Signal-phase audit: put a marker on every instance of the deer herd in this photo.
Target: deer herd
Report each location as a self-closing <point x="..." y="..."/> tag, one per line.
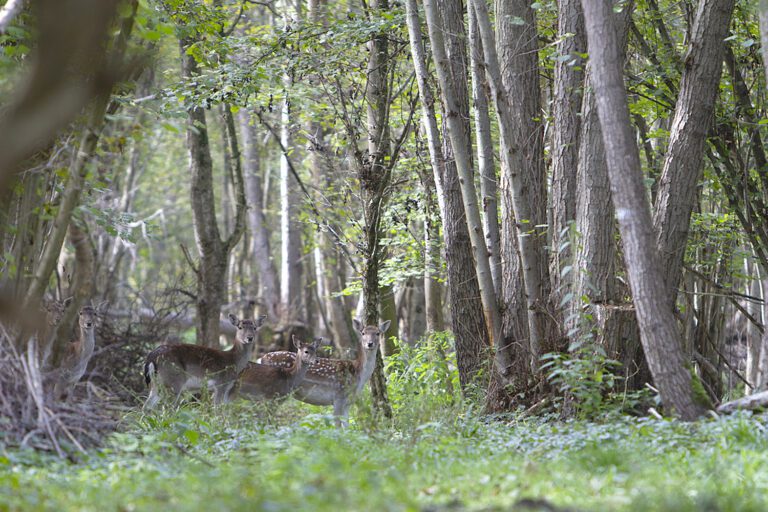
<point x="228" y="374"/>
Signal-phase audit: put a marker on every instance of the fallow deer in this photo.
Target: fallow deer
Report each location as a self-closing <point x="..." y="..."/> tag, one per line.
<point x="181" y="367"/>
<point x="264" y="381"/>
<point x="77" y="354"/>
<point x="336" y="381"/>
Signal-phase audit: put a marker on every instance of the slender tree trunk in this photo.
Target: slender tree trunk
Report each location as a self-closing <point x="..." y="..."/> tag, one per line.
<point x="485" y="162"/>
<point x="678" y="190"/>
<point x="522" y="168"/>
<point x="375" y="176"/>
<point x="468" y="319"/>
<point x="269" y="285"/>
<point x="763" y="17"/>
<point x="595" y="254"/>
<point x="658" y="331"/>
<point x="448" y="53"/>
<point x="291" y="268"/>
<point x="214" y="252"/>
<point x="431" y="182"/>
<point x="81" y="290"/>
<point x="76" y="180"/>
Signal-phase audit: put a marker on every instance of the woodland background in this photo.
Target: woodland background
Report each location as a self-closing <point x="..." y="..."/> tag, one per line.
<point x="439" y="164"/>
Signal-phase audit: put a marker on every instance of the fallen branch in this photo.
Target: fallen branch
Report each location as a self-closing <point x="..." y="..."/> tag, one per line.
<point x="750" y="402"/>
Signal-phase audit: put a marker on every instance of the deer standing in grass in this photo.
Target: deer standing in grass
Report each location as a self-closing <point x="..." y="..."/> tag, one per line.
<point x="77" y="354"/>
<point x="336" y="381"/>
<point x="185" y="366"/>
<point x="265" y="381"/>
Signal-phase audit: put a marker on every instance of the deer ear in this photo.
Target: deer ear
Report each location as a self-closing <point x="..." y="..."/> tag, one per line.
<point x="68" y="301"/>
<point x="103" y="306"/>
<point x="296" y="342"/>
<point x="260" y="321"/>
<point x="383" y="326"/>
<point x="357" y="324"/>
<point x="233" y="319"/>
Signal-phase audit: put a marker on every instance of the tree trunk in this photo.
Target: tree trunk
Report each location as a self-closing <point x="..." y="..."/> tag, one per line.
<point x="451" y="67"/>
<point x="81" y="290"/>
<point x="214" y="253"/>
<point x="566" y="107"/>
<point x="77" y="171"/>
<point x="431" y="182"/>
<point x="467" y="316"/>
<point x="515" y="95"/>
<point x="269" y="286"/>
<point x="375" y="175"/>
<point x="290" y="229"/>
<point x="678" y="186"/>
<point x="661" y="341"/>
<point x="485" y="161"/>
<point x="594" y="264"/>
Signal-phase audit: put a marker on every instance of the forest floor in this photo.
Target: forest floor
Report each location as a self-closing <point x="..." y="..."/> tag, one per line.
<point x="240" y="457"/>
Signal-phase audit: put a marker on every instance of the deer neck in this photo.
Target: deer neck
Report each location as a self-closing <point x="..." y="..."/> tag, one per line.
<point x="87" y="341"/>
<point x="298" y="369"/>
<point x="241" y="354"/>
<point x="364" y="365"/>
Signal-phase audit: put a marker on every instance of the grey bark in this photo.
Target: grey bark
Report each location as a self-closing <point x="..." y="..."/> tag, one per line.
<point x="213" y="251"/>
<point x="290" y="230"/>
<point x="658" y="331"/>
<point x="76" y="174"/>
<point x="678" y="186"/>
<point x="431" y="182"/>
<point x="515" y="94"/>
<point x="485" y="150"/>
<point x="8" y="12"/>
<point x="566" y="106"/>
<point x="468" y="319"/>
<point x="269" y="285"/>
<point x="455" y="106"/>
<point x="375" y="175"/>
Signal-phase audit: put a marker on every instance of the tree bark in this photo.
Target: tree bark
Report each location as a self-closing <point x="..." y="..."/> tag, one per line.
<point x="432" y="181"/>
<point x="456" y="108"/>
<point x="468" y="319"/>
<point x="658" y="331"/>
<point x="566" y="107"/>
<point x="375" y="175"/>
<point x="81" y="290"/>
<point x="76" y="180"/>
<point x="515" y="95"/>
<point x="485" y="161"/>
<point x="214" y="252"/>
<point x="678" y="186"/>
<point x="269" y="285"/>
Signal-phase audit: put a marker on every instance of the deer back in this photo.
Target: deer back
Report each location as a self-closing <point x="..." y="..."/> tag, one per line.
<point x="200" y="362"/>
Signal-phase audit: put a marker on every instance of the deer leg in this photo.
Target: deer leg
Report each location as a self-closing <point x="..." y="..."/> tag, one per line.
<point x="154" y="396"/>
<point x="222" y="393"/>
<point x="340" y="412"/>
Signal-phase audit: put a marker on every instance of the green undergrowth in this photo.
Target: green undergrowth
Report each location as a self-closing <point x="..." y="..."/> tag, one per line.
<point x="437" y="453"/>
<point x="244" y="457"/>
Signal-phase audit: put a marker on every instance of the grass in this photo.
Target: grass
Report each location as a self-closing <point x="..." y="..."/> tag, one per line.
<point x="241" y="458"/>
<point x="437" y="454"/>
